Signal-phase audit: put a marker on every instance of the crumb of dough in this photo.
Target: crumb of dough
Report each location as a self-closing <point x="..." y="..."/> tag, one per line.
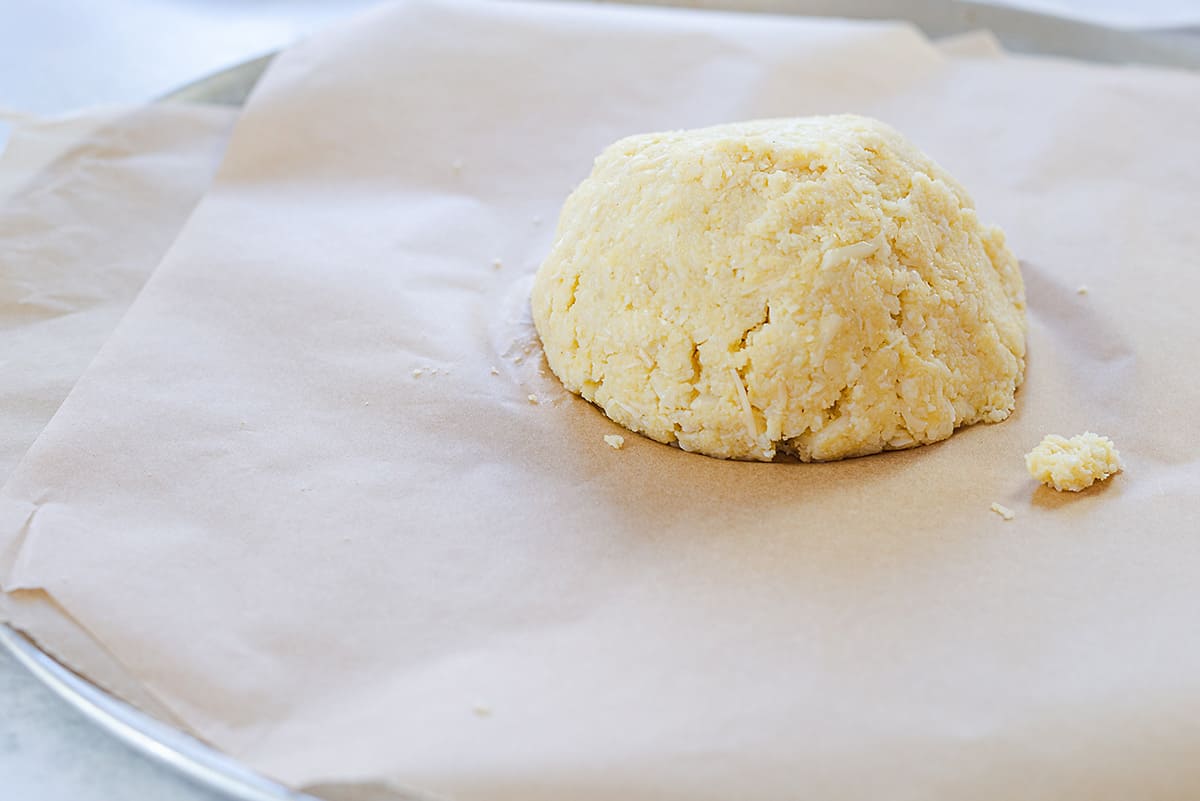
<point x="482" y="710"/>
<point x="532" y="398"/>
<point x="497" y="264"/>
<point x="418" y="372"/>
<point x="1083" y="290"/>
<point x="494" y="371"/>
<point x="614" y="441"/>
<point x="1003" y="511"/>
<point x="813" y="286"/>
<point x="1073" y="464"/>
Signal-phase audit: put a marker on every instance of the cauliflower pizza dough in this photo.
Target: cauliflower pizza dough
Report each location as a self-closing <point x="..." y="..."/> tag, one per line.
<point x="812" y="286"/>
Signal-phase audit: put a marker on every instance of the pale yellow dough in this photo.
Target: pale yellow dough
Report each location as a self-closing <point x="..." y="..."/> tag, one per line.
<point x="815" y="286"/>
<point x="1073" y="464"/>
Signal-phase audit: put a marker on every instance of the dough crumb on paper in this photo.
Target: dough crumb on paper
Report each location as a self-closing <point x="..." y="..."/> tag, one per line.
<point x="532" y="398"/>
<point x="816" y="286"/>
<point x="614" y="441"/>
<point x="482" y="710"/>
<point x="1073" y="464"/>
<point x="1083" y="290"/>
<point x="1003" y="511"/>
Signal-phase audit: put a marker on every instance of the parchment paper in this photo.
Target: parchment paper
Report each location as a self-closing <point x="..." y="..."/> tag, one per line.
<point x="339" y="571"/>
<point x="88" y="205"/>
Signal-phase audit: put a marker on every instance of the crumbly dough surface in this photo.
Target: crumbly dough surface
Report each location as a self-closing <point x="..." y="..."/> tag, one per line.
<point x="1073" y="464"/>
<point x="815" y="286"/>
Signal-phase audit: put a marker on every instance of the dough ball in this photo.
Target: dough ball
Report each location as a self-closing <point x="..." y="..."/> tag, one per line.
<point x="814" y="286"/>
<point x="1073" y="464"/>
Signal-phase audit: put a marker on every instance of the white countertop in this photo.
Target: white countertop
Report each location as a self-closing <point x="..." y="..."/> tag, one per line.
<point x="61" y="55"/>
<point x="49" y="752"/>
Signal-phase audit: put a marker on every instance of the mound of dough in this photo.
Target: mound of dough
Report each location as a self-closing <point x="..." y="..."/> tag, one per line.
<point x="815" y="286"/>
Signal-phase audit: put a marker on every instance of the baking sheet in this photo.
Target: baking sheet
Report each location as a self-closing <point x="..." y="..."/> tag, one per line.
<point x="828" y="577"/>
<point x="152" y="738"/>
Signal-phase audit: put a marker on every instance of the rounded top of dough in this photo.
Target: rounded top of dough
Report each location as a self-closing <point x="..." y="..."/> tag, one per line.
<point x="815" y="286"/>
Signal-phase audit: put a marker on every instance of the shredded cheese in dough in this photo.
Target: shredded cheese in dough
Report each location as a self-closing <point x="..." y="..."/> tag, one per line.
<point x="1003" y="511"/>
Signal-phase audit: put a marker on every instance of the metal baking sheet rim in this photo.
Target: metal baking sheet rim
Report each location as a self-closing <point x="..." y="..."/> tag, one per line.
<point x="1017" y="30"/>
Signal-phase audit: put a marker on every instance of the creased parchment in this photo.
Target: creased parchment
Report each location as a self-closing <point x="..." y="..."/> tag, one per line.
<point x="88" y="205"/>
<point x="293" y="500"/>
